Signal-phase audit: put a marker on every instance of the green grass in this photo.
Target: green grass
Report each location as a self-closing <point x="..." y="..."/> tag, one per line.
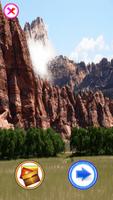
<point x="56" y="185"/>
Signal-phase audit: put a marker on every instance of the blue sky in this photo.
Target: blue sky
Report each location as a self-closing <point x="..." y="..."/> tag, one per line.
<point x="73" y="24"/>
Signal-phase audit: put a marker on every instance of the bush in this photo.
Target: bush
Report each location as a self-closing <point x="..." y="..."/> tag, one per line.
<point x="11" y="143"/>
<point x="92" y="141"/>
<point x="19" y="143"/>
<point x="31" y="143"/>
<point x="57" y="141"/>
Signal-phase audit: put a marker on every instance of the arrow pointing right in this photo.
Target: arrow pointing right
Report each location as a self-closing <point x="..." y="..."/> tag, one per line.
<point x="83" y="174"/>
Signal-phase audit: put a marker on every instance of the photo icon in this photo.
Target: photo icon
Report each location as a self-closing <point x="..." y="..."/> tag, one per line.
<point x="29" y="175"/>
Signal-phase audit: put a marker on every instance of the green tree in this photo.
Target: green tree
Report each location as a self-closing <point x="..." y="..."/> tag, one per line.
<point x="19" y="143"/>
<point x="1" y="141"/>
<point x="30" y="143"/>
<point x="47" y="147"/>
<point x="8" y="144"/>
<point x="57" y="141"/>
<point x="108" y="141"/>
<point x="79" y="142"/>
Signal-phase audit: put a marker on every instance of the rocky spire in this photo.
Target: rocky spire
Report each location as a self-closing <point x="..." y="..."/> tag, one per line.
<point x="36" y="30"/>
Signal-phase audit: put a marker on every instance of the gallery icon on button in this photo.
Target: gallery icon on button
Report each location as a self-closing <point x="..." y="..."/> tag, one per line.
<point x="29" y="175"/>
<point x="83" y="175"/>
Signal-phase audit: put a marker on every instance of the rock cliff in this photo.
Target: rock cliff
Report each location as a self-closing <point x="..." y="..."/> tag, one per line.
<point x="92" y="77"/>
<point x="99" y="77"/>
<point x="65" y="71"/>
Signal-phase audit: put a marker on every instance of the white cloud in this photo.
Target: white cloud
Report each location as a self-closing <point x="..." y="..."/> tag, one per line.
<point x="40" y="56"/>
<point x="91" y="50"/>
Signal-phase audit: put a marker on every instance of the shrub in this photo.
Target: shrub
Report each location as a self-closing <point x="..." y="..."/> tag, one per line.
<point x="92" y="141"/>
<point x="30" y="143"/>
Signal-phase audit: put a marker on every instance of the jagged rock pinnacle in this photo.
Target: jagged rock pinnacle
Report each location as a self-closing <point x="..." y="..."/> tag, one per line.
<point x="36" y="30"/>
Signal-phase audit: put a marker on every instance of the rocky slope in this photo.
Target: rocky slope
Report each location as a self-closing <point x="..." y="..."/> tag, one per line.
<point x="27" y="101"/>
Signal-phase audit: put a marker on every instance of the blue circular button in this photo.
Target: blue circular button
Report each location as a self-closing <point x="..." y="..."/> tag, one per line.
<point x="83" y="175"/>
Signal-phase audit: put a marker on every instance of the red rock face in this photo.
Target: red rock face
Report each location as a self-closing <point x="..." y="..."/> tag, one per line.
<point x="17" y="78"/>
<point x="27" y="101"/>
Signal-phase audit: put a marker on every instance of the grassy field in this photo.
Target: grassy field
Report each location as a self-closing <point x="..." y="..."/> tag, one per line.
<point x="56" y="185"/>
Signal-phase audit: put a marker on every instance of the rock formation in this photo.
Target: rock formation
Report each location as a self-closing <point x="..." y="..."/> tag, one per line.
<point x="17" y="93"/>
<point x="36" y="30"/>
<point x="40" y="47"/>
<point x="65" y="71"/>
<point x="28" y="101"/>
<point x="99" y="77"/>
<point x="83" y="77"/>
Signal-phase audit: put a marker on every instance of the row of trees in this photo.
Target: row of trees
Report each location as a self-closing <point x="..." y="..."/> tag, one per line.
<point x="34" y="142"/>
<point x="92" y="141"/>
<point x="37" y="142"/>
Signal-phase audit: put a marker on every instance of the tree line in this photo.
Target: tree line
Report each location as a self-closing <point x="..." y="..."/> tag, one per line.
<point x="37" y="142"/>
<point x="34" y="142"/>
<point x="92" y="141"/>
